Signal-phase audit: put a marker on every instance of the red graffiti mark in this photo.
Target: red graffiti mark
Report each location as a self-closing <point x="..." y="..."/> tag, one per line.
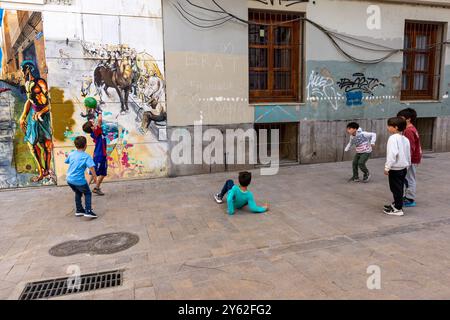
<point x="125" y="160"/>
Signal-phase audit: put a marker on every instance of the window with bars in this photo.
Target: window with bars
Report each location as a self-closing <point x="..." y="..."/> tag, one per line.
<point x="421" y="61"/>
<point x="274" y="56"/>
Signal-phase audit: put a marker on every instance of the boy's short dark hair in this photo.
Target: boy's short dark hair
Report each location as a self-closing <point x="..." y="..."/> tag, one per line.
<point x="87" y="127"/>
<point x="353" y="125"/>
<point x="408" y="113"/>
<point x="398" y="123"/>
<point x="80" y="142"/>
<point x="245" y="178"/>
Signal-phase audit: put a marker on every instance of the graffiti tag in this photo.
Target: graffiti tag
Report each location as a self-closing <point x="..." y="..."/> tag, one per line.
<point x="321" y="87"/>
<point x="358" y="86"/>
<point x="360" y="83"/>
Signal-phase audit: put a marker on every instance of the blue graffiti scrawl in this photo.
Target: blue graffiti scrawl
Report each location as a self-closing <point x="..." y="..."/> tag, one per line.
<point x="358" y="86"/>
<point x="354" y="98"/>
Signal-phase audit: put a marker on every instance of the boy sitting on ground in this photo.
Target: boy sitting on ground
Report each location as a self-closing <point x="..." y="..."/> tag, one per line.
<point x="239" y="196"/>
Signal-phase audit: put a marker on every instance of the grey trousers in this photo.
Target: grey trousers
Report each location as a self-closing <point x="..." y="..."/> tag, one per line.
<point x="410" y="182"/>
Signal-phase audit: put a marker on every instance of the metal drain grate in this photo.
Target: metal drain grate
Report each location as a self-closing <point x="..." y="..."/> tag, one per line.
<point x="60" y="287"/>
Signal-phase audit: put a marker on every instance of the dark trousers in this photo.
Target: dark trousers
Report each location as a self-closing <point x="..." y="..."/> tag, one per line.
<point x="79" y="192"/>
<point x="360" y="161"/>
<point x="397" y="184"/>
<point x="227" y="187"/>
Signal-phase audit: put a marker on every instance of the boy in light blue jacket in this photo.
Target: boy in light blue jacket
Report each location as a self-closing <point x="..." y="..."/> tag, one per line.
<point x="239" y="196"/>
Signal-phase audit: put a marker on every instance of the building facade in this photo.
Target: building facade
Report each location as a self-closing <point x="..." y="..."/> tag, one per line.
<point x="305" y="68"/>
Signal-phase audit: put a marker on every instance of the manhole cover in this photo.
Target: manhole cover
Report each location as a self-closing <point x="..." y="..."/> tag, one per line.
<point x="104" y="244"/>
<point x="64" y="286"/>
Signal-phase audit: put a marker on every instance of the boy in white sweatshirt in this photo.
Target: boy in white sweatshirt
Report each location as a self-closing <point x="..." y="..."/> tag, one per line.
<point x="363" y="142"/>
<point x="398" y="160"/>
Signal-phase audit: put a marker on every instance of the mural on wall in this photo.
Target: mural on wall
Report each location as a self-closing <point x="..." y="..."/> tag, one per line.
<point x="356" y="88"/>
<point x="25" y="124"/>
<point x="125" y="78"/>
<point x="127" y="72"/>
<point x="84" y="57"/>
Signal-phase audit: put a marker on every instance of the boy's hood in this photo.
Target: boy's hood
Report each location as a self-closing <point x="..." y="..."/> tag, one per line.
<point x="359" y="131"/>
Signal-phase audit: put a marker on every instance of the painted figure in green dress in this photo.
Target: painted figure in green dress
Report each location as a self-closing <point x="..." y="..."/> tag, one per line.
<point x="35" y="121"/>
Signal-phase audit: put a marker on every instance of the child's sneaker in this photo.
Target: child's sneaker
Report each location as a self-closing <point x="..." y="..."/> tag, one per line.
<point x="367" y="178"/>
<point x="353" y="179"/>
<point x="98" y="191"/>
<point x="90" y="214"/>
<point x="80" y="213"/>
<point x="409" y="203"/>
<point x="218" y="198"/>
<point x="392" y="211"/>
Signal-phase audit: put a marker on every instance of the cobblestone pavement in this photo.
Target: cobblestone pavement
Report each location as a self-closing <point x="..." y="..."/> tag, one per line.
<point x="317" y="243"/>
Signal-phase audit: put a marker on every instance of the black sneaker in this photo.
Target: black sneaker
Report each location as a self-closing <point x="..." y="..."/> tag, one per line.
<point x="353" y="179"/>
<point x="80" y="213"/>
<point x="393" y="211"/>
<point x="367" y="178"/>
<point x="218" y="199"/>
<point x="90" y="214"/>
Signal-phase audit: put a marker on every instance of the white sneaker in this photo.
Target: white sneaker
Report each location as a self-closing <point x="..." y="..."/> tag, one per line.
<point x="218" y="199"/>
<point x="392" y="211"/>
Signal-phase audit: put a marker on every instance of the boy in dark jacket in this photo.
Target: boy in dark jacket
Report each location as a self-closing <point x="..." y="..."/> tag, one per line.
<point x="410" y="115"/>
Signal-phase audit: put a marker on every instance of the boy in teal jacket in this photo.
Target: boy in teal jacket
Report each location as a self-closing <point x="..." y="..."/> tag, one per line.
<point x="239" y="196"/>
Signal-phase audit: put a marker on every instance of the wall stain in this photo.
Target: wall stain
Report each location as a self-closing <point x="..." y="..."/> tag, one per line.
<point x="62" y="113"/>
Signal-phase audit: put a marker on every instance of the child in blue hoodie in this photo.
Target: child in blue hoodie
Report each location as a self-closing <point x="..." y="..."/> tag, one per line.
<point x="239" y="196"/>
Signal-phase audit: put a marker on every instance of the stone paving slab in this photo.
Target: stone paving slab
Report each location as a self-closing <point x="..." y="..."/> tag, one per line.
<point x="317" y="243"/>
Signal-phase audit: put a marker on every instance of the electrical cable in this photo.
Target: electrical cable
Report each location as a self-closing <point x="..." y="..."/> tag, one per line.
<point x="201" y="19"/>
<point x="333" y="41"/>
<point x="230" y="14"/>
<point x="331" y="35"/>
<point x="362" y="47"/>
<point x="198" y="25"/>
<point x="346" y="54"/>
<point x="360" y="40"/>
<point x="204" y="8"/>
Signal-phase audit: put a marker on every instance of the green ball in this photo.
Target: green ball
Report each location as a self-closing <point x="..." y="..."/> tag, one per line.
<point x="90" y="102"/>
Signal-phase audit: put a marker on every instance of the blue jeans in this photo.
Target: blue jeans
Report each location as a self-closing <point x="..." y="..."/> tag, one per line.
<point x="79" y="192"/>
<point x="227" y="187"/>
